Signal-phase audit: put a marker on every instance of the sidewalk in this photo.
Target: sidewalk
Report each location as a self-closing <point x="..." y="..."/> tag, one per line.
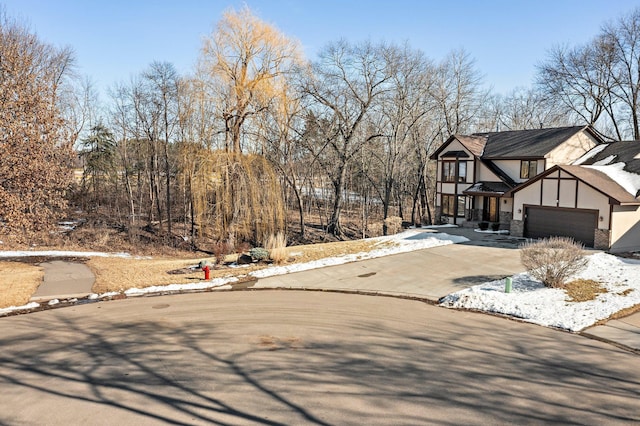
<point x="64" y="280"/>
<point x="624" y="331"/>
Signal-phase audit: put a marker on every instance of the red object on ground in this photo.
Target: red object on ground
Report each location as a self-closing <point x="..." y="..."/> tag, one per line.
<point x="206" y="270"/>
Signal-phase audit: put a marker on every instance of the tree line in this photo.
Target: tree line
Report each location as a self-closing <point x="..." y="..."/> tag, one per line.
<point x="257" y="131"/>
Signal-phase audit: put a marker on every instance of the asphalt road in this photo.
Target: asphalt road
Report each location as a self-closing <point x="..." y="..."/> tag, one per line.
<point x="289" y="357"/>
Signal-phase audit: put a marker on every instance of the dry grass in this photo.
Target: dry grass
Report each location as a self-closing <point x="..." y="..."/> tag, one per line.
<point x="277" y="247"/>
<point x="583" y="290"/>
<point x="18" y="282"/>
<point x="118" y="274"/>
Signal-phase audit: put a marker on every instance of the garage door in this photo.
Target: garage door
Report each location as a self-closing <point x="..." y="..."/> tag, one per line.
<point x="578" y="224"/>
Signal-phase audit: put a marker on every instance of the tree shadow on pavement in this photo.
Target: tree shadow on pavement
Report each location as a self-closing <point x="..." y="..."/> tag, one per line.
<point x="316" y="364"/>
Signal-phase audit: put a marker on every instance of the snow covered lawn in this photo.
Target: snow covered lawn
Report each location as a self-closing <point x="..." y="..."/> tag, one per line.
<point x="531" y="301"/>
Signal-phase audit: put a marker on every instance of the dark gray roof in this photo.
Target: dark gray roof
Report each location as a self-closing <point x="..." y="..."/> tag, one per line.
<point x="627" y="152"/>
<point x="455" y="154"/>
<point x="491" y="188"/>
<point x="534" y="143"/>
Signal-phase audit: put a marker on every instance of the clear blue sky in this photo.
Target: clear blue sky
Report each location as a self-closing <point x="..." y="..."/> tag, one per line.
<point x="116" y="39"/>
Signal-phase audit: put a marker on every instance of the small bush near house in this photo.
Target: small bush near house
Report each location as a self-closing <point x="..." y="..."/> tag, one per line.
<point x="553" y="260"/>
<point x="259" y="253"/>
<point x="220" y="249"/>
<point x="483" y="226"/>
<point x="393" y="224"/>
<point x="495" y="226"/>
<point x="277" y="247"/>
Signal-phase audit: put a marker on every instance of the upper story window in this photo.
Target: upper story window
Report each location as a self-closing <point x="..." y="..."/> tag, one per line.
<point x="528" y="169"/>
<point x="449" y="171"/>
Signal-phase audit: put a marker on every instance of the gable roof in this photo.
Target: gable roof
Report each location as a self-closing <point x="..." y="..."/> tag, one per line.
<point x="516" y="144"/>
<point x="473" y="144"/>
<point x="595" y="178"/>
<point x="534" y="143"/>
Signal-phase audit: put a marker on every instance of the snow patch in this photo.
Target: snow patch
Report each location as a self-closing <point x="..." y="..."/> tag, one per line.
<point x="629" y="181"/>
<point x="403" y="242"/>
<point x="203" y="285"/>
<point x="10" y="309"/>
<point x="531" y="301"/>
<point x="590" y="154"/>
<point x="605" y="161"/>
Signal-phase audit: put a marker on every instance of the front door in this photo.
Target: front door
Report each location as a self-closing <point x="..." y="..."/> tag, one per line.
<point x="490" y="210"/>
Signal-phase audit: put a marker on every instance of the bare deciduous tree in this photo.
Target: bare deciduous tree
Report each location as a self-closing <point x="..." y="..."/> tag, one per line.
<point x="347" y="81"/>
<point x="599" y="81"/>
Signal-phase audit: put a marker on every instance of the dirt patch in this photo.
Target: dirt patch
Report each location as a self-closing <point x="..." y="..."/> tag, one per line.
<point x="272" y="343"/>
<point x="18" y="281"/>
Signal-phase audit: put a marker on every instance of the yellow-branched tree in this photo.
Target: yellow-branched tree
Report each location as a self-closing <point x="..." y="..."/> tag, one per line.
<point x="235" y="194"/>
<point x="35" y="155"/>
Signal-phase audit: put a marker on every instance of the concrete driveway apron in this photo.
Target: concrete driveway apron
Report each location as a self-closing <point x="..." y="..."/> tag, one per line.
<point x="429" y="274"/>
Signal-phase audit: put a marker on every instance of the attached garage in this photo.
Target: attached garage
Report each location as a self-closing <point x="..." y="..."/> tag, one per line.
<point x="580" y="202"/>
<point x="579" y="224"/>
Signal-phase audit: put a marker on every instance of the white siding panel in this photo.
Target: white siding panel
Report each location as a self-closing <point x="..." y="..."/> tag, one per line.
<point x="567" y="193"/>
<point x="528" y="195"/>
<point x="549" y="192"/>
<point x="625" y="235"/>
<point x="589" y="198"/>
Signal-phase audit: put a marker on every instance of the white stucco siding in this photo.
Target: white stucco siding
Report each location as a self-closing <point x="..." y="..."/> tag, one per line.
<point x="572" y="149"/>
<point x="510" y="167"/>
<point x="528" y="195"/>
<point x="484" y="174"/>
<point x="550" y="192"/>
<point x="450" y="188"/>
<point x="625" y="233"/>
<point x="506" y="205"/>
<point x="567" y="193"/>
<point x="471" y="165"/>
<point x="589" y="198"/>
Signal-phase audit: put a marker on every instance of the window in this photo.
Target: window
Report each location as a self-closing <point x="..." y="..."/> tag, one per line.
<point x="528" y="169"/>
<point x="448" y="205"/>
<point x="449" y="171"/>
<point x="461" y="206"/>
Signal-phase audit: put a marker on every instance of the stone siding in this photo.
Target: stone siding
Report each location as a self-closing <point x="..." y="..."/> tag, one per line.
<point x="602" y="240"/>
<point x="516" y="228"/>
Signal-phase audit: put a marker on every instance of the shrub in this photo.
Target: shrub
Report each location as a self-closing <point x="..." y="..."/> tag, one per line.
<point x="393" y="224"/>
<point x="220" y="250"/>
<point x="495" y="226"/>
<point x="259" y="253"/>
<point x="277" y="247"/>
<point x="243" y="247"/>
<point x="553" y="260"/>
<point x="483" y="226"/>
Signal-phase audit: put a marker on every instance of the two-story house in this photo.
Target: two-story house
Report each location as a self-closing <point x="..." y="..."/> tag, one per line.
<point x="475" y="173"/>
<point x="537" y="183"/>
